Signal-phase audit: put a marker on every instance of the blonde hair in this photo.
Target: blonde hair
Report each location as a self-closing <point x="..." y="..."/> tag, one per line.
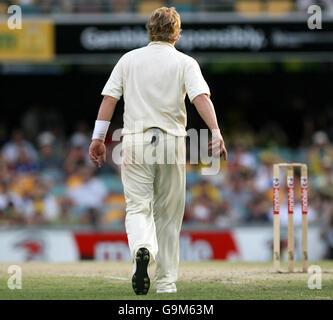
<point x="164" y="25"/>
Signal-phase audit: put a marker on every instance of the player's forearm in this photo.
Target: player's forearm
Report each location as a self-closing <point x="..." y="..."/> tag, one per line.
<point x="107" y="108"/>
<point x="206" y="111"/>
<point x="104" y="116"/>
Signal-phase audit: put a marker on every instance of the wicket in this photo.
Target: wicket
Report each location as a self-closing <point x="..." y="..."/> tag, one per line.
<point x="276" y="214"/>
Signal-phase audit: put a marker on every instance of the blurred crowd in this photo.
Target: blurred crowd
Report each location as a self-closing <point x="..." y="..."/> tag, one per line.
<point x="146" y="6"/>
<point x="47" y="178"/>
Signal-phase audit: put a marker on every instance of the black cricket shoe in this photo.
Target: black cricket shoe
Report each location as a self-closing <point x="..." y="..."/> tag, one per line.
<point x="140" y="279"/>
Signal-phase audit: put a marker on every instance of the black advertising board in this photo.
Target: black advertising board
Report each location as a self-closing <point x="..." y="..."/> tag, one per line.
<point x="201" y="37"/>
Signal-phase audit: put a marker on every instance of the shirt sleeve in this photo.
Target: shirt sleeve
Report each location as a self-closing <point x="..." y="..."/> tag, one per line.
<point x="114" y="86"/>
<point x="195" y="83"/>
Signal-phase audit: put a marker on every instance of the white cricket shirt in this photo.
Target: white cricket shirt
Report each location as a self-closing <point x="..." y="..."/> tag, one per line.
<point x="154" y="81"/>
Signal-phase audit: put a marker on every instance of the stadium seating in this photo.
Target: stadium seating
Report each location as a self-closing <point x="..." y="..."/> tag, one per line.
<point x="279" y="6"/>
<point x="147" y="6"/>
<point x="246" y="7"/>
<point x="243" y="7"/>
<point x="184" y="5"/>
<point x="3" y="8"/>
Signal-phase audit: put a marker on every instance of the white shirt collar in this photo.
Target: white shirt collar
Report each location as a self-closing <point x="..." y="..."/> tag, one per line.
<point x="161" y="43"/>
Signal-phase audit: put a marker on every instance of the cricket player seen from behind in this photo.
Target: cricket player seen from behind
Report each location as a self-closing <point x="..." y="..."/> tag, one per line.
<point x="154" y="81"/>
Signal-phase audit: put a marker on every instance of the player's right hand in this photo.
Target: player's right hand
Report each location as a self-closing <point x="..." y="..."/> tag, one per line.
<point x="217" y="147"/>
<point x="97" y="152"/>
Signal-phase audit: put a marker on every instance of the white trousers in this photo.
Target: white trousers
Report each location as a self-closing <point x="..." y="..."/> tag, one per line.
<point x="153" y="176"/>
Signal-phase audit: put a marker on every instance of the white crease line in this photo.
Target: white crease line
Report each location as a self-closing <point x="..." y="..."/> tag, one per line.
<point x="116" y="278"/>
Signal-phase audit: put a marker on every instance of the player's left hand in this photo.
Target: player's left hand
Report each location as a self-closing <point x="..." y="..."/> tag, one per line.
<point x="97" y="151"/>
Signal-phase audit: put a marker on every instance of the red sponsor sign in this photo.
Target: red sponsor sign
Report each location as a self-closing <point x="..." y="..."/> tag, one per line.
<point x="194" y="245"/>
<point x="222" y="243"/>
<point x="87" y="242"/>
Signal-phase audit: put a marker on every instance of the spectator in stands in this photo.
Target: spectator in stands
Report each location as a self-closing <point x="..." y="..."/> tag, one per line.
<point x="320" y="150"/>
<point x="323" y="182"/>
<point x="11" y="206"/>
<point x="202" y="210"/>
<point x="115" y="211"/>
<point x="240" y="157"/>
<point x="88" y="196"/>
<point x="77" y="154"/>
<point x="224" y="217"/>
<point x="4" y="170"/>
<point x="204" y="188"/>
<point x="48" y="159"/>
<point x="24" y="163"/>
<point x="263" y="178"/>
<point x="18" y="147"/>
<point x="327" y="235"/>
<point x="238" y="194"/>
<point x="40" y="207"/>
<point x="259" y="208"/>
<point x="81" y="135"/>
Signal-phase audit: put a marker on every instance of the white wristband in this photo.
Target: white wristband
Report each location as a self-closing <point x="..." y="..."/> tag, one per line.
<point x="101" y="129"/>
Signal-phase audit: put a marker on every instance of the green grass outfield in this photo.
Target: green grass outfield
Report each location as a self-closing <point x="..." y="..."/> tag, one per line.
<point x="197" y="280"/>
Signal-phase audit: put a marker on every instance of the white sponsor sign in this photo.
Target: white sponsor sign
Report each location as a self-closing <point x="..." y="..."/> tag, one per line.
<point x="255" y="243"/>
<point x="37" y="245"/>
